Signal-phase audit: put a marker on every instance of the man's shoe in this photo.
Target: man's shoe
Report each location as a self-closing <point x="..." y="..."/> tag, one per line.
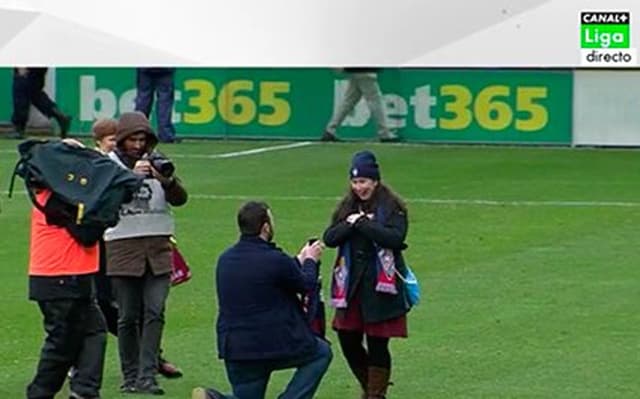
<point x="328" y="136"/>
<point x="209" y="393"/>
<point x="388" y="137"/>
<point x="168" y="369"/>
<point x="149" y="386"/>
<point x="73" y="395"/>
<point x="16" y="135"/>
<point x="128" y="387"/>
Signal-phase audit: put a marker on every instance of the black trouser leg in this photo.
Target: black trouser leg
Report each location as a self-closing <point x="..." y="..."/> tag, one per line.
<point x="139" y="345"/>
<point x="156" y="290"/>
<point x="128" y="293"/>
<point x="110" y="313"/>
<point x="90" y="362"/>
<point x="44" y="104"/>
<point x="21" y="102"/>
<point x="64" y="323"/>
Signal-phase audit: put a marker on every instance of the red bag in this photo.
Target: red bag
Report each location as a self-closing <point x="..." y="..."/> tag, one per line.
<point x="180" y="272"/>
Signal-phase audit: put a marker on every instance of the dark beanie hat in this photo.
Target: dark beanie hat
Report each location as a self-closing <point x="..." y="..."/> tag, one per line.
<point x="135" y="122"/>
<point x="364" y="164"/>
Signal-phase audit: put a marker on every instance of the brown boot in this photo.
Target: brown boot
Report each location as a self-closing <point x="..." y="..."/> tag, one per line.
<point x="378" y="381"/>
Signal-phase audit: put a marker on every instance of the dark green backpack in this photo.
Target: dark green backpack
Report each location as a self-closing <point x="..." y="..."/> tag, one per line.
<point x="87" y="187"/>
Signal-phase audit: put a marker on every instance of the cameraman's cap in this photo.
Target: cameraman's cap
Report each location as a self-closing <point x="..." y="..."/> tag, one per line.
<point x="131" y="123"/>
<point x="364" y="164"/>
<point x="103" y="128"/>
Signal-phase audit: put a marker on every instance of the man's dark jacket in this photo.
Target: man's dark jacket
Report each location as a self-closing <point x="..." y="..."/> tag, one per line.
<point x="260" y="314"/>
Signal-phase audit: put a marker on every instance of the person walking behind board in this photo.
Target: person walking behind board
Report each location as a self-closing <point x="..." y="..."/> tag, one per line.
<point x="158" y="82"/>
<point x="61" y="281"/>
<point x="369" y="226"/>
<point x="363" y="82"/>
<point x="261" y="324"/>
<point x="139" y="252"/>
<point x="28" y="85"/>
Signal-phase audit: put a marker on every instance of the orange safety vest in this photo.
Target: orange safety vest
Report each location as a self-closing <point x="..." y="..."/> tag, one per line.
<point x="54" y="252"/>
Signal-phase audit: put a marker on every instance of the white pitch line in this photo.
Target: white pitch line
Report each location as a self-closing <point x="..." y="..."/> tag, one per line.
<point x="429" y="201"/>
<point x="234" y="154"/>
<point x="433" y="201"/>
<point x="245" y="152"/>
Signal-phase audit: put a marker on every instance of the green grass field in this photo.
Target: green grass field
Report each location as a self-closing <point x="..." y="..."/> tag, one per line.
<point x="527" y="257"/>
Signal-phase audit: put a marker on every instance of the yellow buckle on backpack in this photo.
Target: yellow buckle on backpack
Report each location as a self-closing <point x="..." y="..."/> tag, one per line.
<point x="80" y="213"/>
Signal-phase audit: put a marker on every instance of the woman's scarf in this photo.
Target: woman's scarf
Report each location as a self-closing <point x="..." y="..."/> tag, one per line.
<point x="340" y="278"/>
<point x="385" y="270"/>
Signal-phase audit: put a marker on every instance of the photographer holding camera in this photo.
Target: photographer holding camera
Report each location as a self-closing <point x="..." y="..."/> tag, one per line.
<point x="138" y="252"/>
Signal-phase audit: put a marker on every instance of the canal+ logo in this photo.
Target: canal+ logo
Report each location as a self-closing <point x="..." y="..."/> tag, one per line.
<point x="605" y="39"/>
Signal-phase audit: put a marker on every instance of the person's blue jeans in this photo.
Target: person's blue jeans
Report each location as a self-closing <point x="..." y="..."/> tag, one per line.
<point x="249" y="379"/>
<point x="161" y="83"/>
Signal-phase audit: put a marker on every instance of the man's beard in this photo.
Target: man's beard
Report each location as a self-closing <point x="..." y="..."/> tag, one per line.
<point x="270" y="234"/>
<point x="127" y="158"/>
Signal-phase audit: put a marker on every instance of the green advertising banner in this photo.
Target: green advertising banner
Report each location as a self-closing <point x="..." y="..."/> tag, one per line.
<point x="434" y="105"/>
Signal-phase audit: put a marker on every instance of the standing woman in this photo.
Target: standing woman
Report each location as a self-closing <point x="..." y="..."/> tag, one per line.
<point x="369" y="227"/>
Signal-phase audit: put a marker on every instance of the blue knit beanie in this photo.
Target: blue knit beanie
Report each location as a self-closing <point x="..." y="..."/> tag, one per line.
<point x="364" y="164"/>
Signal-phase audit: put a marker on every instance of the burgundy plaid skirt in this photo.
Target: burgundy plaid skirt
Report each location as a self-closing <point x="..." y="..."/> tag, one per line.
<point x="350" y="319"/>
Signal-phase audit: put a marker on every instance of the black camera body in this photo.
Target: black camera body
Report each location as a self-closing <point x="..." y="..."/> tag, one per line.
<point x="162" y="164"/>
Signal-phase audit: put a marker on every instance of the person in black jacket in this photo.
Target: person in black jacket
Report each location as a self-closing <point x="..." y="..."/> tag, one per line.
<point x="261" y="324"/>
<point x="28" y="85"/>
<point x="369" y="226"/>
<point x="363" y="82"/>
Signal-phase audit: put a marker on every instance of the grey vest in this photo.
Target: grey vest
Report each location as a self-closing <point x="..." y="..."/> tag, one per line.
<point x="148" y="214"/>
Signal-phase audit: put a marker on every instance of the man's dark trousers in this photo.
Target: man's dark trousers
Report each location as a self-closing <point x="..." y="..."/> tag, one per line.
<point x="28" y="90"/>
<point x="249" y="379"/>
<point x="138" y="350"/>
<point x="76" y="335"/>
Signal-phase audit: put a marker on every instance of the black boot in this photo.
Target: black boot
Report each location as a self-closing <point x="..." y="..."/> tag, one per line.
<point x="16" y="134"/>
<point x="64" y="121"/>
